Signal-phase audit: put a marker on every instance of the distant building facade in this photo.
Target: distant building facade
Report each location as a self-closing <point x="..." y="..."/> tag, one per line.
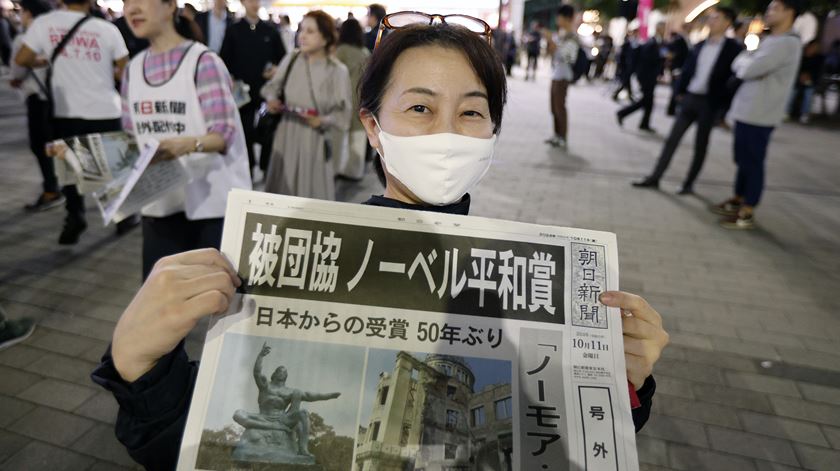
<point x="427" y="417"/>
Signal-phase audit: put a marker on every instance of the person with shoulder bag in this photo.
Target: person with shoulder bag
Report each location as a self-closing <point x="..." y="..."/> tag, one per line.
<point x="312" y="91"/>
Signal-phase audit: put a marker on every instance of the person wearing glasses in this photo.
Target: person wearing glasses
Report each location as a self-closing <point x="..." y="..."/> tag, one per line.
<point x="311" y="90"/>
<point x="432" y="97"/>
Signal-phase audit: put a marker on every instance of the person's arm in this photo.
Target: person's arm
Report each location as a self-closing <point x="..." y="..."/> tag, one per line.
<point x="764" y="60"/>
<point x="342" y="110"/>
<point x="28" y="58"/>
<point x="312" y="397"/>
<point x="119" y="67"/>
<point x="270" y="92"/>
<point x="259" y="378"/>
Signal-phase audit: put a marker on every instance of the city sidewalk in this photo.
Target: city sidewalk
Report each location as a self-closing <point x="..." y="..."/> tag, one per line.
<point x="751" y="380"/>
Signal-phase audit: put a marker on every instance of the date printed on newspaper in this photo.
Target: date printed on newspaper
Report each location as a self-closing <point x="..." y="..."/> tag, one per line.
<point x="367" y="338"/>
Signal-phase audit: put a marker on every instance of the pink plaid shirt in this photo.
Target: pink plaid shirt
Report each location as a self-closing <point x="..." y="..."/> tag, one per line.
<point x="212" y="82"/>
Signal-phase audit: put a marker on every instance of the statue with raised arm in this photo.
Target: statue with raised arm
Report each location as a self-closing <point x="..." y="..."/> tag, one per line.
<point x="279" y="432"/>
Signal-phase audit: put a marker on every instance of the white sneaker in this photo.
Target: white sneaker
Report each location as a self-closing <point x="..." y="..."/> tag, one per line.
<point x="804" y="119"/>
<point x="554" y="141"/>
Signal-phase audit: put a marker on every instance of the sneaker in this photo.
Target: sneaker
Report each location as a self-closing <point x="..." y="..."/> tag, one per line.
<point x="45" y="201"/>
<point x="553" y="141"/>
<point x="561" y="143"/>
<point x="729" y="207"/>
<point x="738" y="222"/>
<point x="73" y="228"/>
<point x="646" y="182"/>
<point x="685" y="190"/>
<point x="16" y="331"/>
<point x="804" y="119"/>
<point x="647" y="129"/>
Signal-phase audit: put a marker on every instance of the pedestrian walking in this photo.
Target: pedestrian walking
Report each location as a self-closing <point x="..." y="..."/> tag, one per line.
<point x="768" y="74"/>
<point x="704" y="93"/>
<point x="81" y="85"/>
<point x="647" y="71"/>
<point x="265" y="50"/>
<point x="354" y="55"/>
<point x="31" y="83"/>
<point x="533" y="41"/>
<point x="566" y="47"/>
<point x="311" y="89"/>
<point x="626" y="64"/>
<point x="678" y="50"/>
<point x="206" y="136"/>
<point x="287" y="35"/>
<point x="810" y="74"/>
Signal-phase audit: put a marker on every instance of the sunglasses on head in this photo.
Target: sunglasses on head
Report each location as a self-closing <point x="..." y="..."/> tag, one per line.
<point x="402" y="19"/>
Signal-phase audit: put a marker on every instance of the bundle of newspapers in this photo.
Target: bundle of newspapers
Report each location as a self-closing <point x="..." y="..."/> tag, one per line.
<point x="368" y="338"/>
<point x="119" y="175"/>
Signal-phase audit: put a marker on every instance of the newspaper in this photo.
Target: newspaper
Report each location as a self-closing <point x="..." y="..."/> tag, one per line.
<point x="111" y="168"/>
<point x="367" y="338"/>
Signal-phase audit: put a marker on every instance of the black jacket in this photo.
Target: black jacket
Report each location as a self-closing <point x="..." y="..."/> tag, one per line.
<point x="202" y="20"/>
<point x="720" y="88"/>
<point x="650" y="63"/>
<point x="678" y="47"/>
<point x="153" y="410"/>
<point x="247" y="50"/>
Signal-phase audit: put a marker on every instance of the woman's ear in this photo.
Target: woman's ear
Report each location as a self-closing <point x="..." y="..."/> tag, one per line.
<point x="370" y="128"/>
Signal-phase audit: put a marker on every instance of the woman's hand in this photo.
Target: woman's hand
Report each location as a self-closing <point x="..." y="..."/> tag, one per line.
<point x="313" y="121"/>
<point x="180" y="291"/>
<point x="274" y="106"/>
<point x="174" y="147"/>
<point x="644" y="337"/>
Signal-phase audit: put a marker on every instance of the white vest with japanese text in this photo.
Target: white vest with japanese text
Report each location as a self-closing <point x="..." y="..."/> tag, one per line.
<point x="172" y="109"/>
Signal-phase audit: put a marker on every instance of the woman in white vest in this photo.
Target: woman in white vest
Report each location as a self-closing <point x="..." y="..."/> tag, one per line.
<point x="179" y="93"/>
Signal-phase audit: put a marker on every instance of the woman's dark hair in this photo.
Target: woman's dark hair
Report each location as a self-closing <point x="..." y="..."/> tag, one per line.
<point x="480" y="54"/>
<point x="35" y="7"/>
<point x="797" y="6"/>
<point x="376" y="10"/>
<point x="326" y="25"/>
<point x="351" y="33"/>
<point x="566" y="11"/>
<point x="483" y="59"/>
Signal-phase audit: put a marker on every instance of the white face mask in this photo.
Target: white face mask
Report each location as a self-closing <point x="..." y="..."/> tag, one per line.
<point x="438" y="168"/>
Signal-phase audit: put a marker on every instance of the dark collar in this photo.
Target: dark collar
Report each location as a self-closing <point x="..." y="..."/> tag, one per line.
<point x="462" y="207"/>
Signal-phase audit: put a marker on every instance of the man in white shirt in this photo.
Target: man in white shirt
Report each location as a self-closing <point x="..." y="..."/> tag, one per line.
<point x="83" y="91"/>
<point x="768" y="74"/>
<point x="703" y="93"/>
<point x="214" y="24"/>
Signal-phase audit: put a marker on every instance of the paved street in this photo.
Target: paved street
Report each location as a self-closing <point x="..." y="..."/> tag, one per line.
<point x="751" y="380"/>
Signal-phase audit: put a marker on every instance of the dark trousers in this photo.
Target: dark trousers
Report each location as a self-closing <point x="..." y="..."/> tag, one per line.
<point x="693" y="108"/>
<point x="38" y="119"/>
<point x="646" y="104"/>
<point x="625" y="84"/>
<point x="175" y="234"/>
<point x="750" y="153"/>
<point x="247" y="114"/>
<point x="675" y="82"/>
<point x="559" y="89"/>
<point x="68" y="127"/>
<point x="531" y="68"/>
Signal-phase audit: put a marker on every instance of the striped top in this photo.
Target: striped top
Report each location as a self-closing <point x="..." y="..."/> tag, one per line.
<point x="212" y="82"/>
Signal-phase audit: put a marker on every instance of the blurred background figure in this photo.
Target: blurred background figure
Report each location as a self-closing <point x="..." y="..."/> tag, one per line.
<point x="604" y="48"/>
<point x="626" y="64"/>
<point x="810" y="73"/>
<point x="214" y="24"/>
<point x="375" y="14"/>
<point x="647" y="71"/>
<point x="7" y="33"/>
<point x="354" y="55"/>
<point x="312" y="91"/>
<point x="286" y="33"/>
<point x="566" y="49"/>
<point x="31" y="83"/>
<point x="251" y="50"/>
<point x="533" y="40"/>
<point x="677" y="48"/>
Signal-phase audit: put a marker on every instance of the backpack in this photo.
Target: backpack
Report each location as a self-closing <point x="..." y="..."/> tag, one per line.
<point x="581" y="65"/>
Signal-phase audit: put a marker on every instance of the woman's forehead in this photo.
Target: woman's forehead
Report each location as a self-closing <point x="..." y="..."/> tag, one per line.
<point x="444" y="70"/>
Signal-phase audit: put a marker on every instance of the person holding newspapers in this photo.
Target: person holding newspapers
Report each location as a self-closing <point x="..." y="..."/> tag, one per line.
<point x="179" y="93"/>
<point x="432" y="100"/>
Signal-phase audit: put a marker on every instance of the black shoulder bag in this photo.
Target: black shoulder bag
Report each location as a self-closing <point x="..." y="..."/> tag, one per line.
<point x="48" y="85"/>
<point x="267" y="122"/>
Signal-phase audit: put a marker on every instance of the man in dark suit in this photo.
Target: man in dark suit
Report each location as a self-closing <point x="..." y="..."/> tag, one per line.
<point x="251" y="50"/>
<point x="214" y="24"/>
<point x="375" y="14"/>
<point x="626" y="63"/>
<point x="677" y="54"/>
<point x="648" y="69"/>
<point x="704" y="93"/>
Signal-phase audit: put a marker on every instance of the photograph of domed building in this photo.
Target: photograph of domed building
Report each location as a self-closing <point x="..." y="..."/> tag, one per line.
<point x="432" y="412"/>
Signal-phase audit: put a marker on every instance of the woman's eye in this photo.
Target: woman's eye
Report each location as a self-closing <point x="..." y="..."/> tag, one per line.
<point x="473" y="114"/>
<point x="419" y="108"/>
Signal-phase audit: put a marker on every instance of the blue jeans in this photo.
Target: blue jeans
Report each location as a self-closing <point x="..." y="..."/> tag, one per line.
<point x="750" y="152"/>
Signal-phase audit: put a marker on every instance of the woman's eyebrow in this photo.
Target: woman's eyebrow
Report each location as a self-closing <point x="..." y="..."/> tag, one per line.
<point x="426" y="91"/>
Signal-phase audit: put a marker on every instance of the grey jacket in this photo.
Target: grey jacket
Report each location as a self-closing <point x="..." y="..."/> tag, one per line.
<point x="768" y="74"/>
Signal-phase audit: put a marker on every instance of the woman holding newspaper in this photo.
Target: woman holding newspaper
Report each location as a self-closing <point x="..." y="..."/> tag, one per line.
<point x="179" y="93"/>
<point x="432" y="99"/>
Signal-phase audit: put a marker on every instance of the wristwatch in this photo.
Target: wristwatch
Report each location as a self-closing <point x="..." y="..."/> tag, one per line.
<point x="199" y="146"/>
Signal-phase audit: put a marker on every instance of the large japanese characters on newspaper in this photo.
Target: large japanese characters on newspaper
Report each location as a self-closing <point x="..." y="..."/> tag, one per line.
<point x="368" y="338"/>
